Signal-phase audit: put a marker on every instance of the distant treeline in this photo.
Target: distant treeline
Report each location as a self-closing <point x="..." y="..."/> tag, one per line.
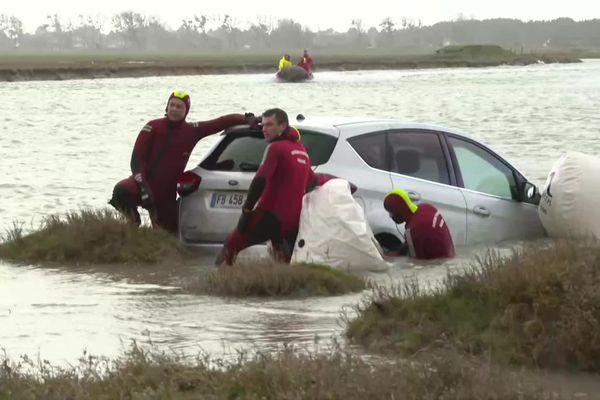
<point x="131" y="31"/>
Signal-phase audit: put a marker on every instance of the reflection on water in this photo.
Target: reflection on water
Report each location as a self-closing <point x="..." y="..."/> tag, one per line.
<point x="63" y="145"/>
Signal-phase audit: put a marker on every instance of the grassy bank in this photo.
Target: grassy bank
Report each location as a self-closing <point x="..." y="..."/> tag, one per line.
<point x="59" y="66"/>
<point x="288" y="374"/>
<point x="281" y="280"/>
<point x="540" y="307"/>
<point x="91" y="237"/>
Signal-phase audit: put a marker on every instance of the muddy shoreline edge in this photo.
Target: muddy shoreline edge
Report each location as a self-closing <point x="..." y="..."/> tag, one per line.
<point x="57" y="72"/>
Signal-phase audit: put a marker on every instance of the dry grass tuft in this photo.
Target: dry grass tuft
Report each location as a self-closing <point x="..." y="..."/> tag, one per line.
<point x="286" y="374"/>
<point x="91" y="237"/>
<point x="539" y="307"/>
<point x="276" y="280"/>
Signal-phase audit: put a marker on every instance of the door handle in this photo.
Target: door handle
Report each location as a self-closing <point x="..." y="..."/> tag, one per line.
<point x="414" y="196"/>
<point x="480" y="210"/>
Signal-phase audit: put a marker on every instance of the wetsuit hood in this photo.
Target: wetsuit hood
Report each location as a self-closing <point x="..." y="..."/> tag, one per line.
<point x="181" y="95"/>
<point x="399" y="205"/>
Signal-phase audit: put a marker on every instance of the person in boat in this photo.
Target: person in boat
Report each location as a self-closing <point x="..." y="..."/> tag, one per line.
<point x="306" y="62"/>
<point x="272" y="209"/>
<point x="285" y="62"/>
<point x="159" y="156"/>
<point x="426" y="232"/>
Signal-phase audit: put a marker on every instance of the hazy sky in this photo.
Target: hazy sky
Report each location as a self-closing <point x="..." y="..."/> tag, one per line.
<point x="317" y="14"/>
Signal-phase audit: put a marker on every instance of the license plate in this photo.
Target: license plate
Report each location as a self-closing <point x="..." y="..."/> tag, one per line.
<point x="227" y="200"/>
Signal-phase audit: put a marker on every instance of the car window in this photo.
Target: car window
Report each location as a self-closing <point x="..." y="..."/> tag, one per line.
<point x="244" y="152"/>
<point x="418" y="154"/>
<point x="238" y="152"/>
<point x="482" y="171"/>
<point x="371" y="148"/>
<point x="318" y="146"/>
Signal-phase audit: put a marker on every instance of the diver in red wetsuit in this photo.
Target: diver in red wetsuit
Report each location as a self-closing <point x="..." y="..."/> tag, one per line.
<point x="427" y="234"/>
<point x="278" y="188"/>
<point x="160" y="154"/>
<point x="306" y="62"/>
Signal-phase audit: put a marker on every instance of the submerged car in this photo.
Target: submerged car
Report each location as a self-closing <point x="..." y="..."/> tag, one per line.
<point x="484" y="199"/>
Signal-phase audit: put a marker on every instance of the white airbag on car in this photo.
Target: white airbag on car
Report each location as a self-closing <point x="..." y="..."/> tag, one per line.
<point x="333" y="231"/>
<point x="569" y="204"/>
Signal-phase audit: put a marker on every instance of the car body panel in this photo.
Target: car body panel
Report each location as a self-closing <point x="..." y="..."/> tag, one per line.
<point x="509" y="219"/>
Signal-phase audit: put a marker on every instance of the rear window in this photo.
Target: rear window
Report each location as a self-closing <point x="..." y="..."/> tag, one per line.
<point x="372" y="148"/>
<point x="237" y="152"/>
<point x="244" y="151"/>
<point x="318" y="146"/>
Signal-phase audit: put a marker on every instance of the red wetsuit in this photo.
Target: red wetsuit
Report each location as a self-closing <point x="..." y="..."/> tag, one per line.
<point x="427" y="234"/>
<point x="306" y="63"/>
<point x="160" y="154"/>
<point x="278" y="187"/>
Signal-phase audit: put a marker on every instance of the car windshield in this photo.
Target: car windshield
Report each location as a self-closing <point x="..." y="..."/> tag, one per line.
<point x="243" y="151"/>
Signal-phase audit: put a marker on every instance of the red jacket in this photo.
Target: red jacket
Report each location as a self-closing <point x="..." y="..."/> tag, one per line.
<point x="306" y="63"/>
<point x="285" y="171"/>
<point x="163" y="148"/>
<point x="427" y="234"/>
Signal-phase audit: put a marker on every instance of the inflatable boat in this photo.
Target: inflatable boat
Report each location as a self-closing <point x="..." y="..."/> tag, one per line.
<point x="293" y="74"/>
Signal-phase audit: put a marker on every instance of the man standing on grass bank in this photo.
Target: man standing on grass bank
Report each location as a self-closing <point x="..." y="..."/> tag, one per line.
<point x="278" y="188"/>
<point x="426" y="232"/>
<point x="160" y="154"/>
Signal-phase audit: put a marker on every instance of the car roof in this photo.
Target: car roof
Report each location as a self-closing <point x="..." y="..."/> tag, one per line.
<point x="336" y="125"/>
<point x="339" y="123"/>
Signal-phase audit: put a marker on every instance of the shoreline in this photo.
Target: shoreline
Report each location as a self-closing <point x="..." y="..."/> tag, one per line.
<point x="58" y="70"/>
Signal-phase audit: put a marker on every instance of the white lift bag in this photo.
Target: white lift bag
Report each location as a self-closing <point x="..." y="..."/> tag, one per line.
<point x="333" y="231"/>
<point x="570" y="203"/>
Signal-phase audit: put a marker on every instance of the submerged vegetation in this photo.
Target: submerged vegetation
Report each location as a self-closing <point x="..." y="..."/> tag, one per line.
<point x="91" y="237"/>
<point x="276" y="280"/>
<point x="539" y="307"/>
<point x="286" y="374"/>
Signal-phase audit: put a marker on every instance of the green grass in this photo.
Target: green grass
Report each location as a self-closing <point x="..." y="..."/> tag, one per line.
<point x="91" y="237"/>
<point x="540" y="307"/>
<point x="276" y="280"/>
<point x="285" y="374"/>
<point x="70" y="65"/>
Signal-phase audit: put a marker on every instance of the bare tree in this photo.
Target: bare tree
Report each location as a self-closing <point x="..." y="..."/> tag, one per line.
<point x="12" y="28"/>
<point x="288" y="34"/>
<point x="357" y="32"/>
<point x="387" y="32"/>
<point x="193" y="31"/>
<point x="88" y="32"/>
<point x="129" y="25"/>
<point x="259" y="33"/>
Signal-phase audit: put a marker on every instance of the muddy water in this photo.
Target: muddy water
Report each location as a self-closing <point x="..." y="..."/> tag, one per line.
<point x="64" y="144"/>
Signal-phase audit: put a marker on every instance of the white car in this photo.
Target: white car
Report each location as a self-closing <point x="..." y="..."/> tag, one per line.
<point x="483" y="198"/>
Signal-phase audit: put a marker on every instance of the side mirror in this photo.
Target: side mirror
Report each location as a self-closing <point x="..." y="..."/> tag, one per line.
<point x="530" y="193"/>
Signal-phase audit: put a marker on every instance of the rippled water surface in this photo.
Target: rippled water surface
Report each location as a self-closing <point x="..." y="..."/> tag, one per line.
<point x="63" y="145"/>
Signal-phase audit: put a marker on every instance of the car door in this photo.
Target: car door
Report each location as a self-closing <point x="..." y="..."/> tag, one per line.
<point x="489" y="185"/>
<point x="360" y="157"/>
<point x="420" y="164"/>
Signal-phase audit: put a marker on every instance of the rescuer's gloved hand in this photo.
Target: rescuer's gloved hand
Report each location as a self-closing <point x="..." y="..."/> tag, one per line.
<point x="253" y="120"/>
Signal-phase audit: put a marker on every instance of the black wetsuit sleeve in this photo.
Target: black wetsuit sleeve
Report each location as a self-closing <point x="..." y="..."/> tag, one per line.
<point x="256" y="190"/>
<point x="265" y="171"/>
